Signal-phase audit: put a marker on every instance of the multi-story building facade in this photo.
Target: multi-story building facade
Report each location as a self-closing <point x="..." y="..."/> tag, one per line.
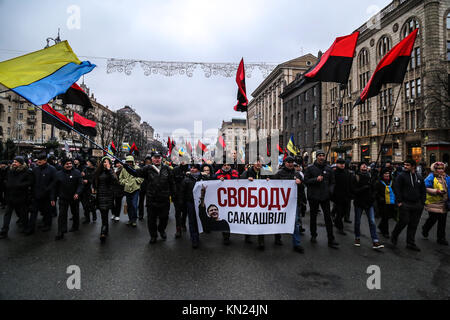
<point x="265" y="110"/>
<point x="420" y="122"/>
<point x="234" y="133"/>
<point x="21" y="122"/>
<point x="302" y="114"/>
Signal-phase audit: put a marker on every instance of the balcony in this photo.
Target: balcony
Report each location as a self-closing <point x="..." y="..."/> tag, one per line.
<point x="31" y="110"/>
<point x="31" y="120"/>
<point x="31" y="131"/>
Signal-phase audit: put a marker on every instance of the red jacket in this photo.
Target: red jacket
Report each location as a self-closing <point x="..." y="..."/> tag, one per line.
<point x="232" y="174"/>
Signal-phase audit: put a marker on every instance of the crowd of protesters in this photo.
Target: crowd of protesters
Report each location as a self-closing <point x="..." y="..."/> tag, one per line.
<point x="51" y="188"/>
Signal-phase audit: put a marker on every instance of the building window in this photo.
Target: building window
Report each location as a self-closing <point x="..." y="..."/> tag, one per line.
<point x="315" y="112"/>
<point x="412" y="61"/>
<point x="298" y="117"/>
<point x="448" y="50"/>
<point x="306" y="96"/>
<point x="448" y="21"/>
<point x="9" y="131"/>
<point x="363" y="58"/>
<point x="418" y="57"/>
<point x="305" y="114"/>
<point x="413" y="89"/>
<point x="306" y="137"/>
<point x="384" y="45"/>
<point x="407" y="90"/>
<point x="292" y="121"/>
<point x="418" y="88"/>
<point x="299" y="99"/>
<point x="20" y="116"/>
<point x="9" y="109"/>
<point x="314" y="92"/>
<point x="411" y="25"/>
<point x="43" y="127"/>
<point x="9" y="119"/>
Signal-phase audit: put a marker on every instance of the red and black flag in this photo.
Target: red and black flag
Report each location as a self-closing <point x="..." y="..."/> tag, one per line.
<point x="113" y="147"/>
<point x="242" y="102"/>
<point x="220" y="143"/>
<point x="46" y="118"/>
<point x="280" y="150"/>
<point x="336" y="62"/>
<point x="201" y="148"/>
<point x="76" y="95"/>
<point x="134" y="149"/>
<point x="391" y="69"/>
<point x="83" y="125"/>
<point x="189" y="148"/>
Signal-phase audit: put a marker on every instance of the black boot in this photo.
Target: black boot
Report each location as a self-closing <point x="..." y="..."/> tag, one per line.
<point x="178" y="233"/>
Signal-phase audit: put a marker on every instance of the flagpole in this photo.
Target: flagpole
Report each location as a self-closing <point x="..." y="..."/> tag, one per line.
<point x="389" y="124"/>
<point x="341" y="101"/>
<point x="76" y="131"/>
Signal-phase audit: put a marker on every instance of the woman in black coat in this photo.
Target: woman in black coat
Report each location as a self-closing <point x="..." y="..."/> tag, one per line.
<point x="104" y="180"/>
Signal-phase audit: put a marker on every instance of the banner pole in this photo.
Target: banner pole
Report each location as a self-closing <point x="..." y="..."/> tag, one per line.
<point x="389" y="124"/>
<point x="341" y="88"/>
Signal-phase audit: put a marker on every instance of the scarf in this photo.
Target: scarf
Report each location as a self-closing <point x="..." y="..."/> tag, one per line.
<point x="389" y="195"/>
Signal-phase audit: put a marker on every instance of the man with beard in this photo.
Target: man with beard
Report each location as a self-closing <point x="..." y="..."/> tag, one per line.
<point x="160" y="186"/>
<point x="319" y="179"/>
<point x="179" y="175"/>
<point x="19" y="179"/>
<point x="44" y="178"/>
<point x="342" y="194"/>
<point x="68" y="187"/>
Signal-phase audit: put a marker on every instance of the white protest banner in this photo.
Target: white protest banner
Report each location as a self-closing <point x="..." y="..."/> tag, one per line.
<point x="246" y="207"/>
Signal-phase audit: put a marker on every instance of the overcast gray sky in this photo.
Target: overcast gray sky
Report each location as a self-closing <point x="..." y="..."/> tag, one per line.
<point x="180" y="30"/>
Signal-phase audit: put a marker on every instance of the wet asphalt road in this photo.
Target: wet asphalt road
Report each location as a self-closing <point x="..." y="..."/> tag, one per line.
<point x="128" y="267"/>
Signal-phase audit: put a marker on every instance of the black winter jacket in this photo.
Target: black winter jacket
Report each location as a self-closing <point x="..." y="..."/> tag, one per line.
<point x="103" y="185"/>
<point x="188" y="185"/>
<point x="410" y="189"/>
<point x="363" y="190"/>
<point x="319" y="191"/>
<point x="286" y="174"/>
<point x="67" y="184"/>
<point x="18" y="183"/>
<point x="179" y="174"/>
<point x="342" y="188"/>
<point x="160" y="186"/>
<point x="252" y="173"/>
<point x="44" y="181"/>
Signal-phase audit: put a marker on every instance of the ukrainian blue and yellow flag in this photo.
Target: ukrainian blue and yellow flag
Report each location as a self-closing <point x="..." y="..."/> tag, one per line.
<point x="291" y="146"/>
<point x="42" y="75"/>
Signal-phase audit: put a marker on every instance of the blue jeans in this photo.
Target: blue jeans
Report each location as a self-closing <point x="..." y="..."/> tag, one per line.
<point x="298" y="223"/>
<point x="132" y="202"/>
<point x="371" y="217"/>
